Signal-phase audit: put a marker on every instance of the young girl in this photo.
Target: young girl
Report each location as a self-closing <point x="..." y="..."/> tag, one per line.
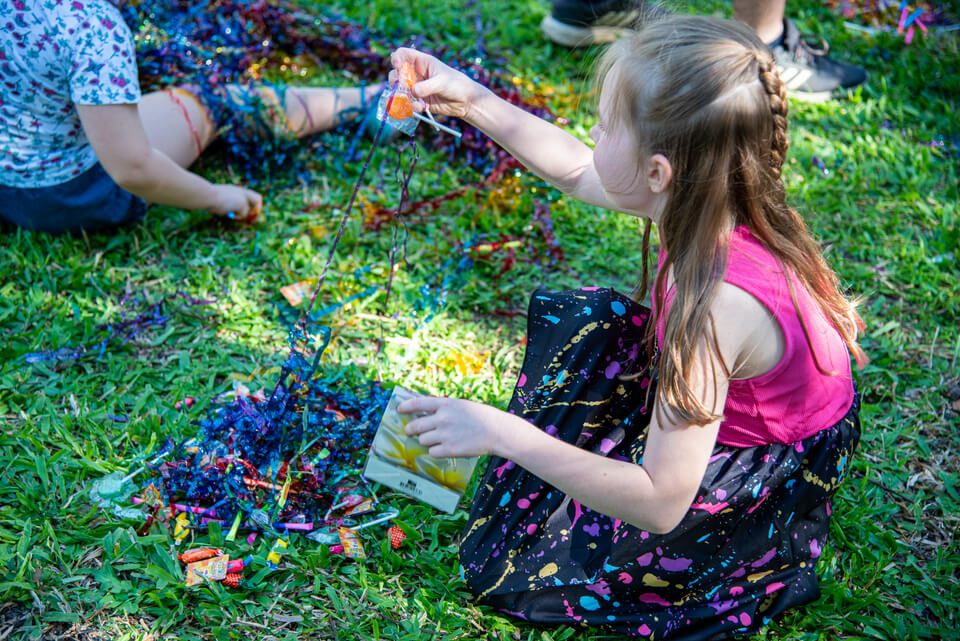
<point x="664" y="472"/>
<point x="81" y="149"/>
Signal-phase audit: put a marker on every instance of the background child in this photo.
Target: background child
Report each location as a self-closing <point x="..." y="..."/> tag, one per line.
<point x="81" y="149"/>
<point x="666" y="472"/>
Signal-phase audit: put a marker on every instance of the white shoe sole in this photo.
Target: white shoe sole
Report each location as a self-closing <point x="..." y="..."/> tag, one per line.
<point x="572" y="36"/>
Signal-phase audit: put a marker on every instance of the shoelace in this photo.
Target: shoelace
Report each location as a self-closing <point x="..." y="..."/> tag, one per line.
<point x="803" y="51"/>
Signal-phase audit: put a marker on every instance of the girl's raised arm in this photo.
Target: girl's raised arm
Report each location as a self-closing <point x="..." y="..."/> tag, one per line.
<point x="550" y="152"/>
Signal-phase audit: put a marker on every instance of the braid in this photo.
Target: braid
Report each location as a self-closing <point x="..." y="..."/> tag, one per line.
<point x="777" y="94"/>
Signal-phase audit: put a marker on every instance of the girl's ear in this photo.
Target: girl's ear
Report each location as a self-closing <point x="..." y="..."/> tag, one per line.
<point x="659" y="173"/>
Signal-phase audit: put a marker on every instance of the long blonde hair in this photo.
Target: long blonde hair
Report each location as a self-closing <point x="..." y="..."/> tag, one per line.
<point x="705" y="93"/>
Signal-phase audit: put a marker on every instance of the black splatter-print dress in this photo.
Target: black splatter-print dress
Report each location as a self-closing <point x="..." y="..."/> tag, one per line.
<point x="745" y="551"/>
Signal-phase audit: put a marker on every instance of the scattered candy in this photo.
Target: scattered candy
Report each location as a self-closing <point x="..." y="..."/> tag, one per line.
<point x="296" y="292"/>
<point x="352" y="545"/>
<point x="232" y="580"/>
<point x="278" y="549"/>
<point x="181" y="528"/>
<point x="396" y="536"/>
<point x="236" y="566"/>
<point x="212" y="569"/>
<point x="199" y="554"/>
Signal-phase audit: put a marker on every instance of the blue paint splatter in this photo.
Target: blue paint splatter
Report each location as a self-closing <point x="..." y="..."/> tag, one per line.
<point x="610" y="568"/>
<point x="589" y="603"/>
<point x="618" y="308"/>
<point x="505" y="499"/>
<point x="552" y="319"/>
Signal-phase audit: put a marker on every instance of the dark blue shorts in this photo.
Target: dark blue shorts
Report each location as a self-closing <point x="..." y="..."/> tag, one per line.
<point x="91" y="201"/>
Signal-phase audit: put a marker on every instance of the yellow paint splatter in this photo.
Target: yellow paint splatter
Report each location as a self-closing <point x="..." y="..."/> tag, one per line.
<point x="653" y="581"/>
<point x="548" y="570"/>
<point x="506" y="572"/>
<point x="809" y="477"/>
<point x="475" y="525"/>
<point x="759" y="575"/>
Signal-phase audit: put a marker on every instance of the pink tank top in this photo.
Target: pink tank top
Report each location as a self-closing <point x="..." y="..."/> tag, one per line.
<point x="793" y="400"/>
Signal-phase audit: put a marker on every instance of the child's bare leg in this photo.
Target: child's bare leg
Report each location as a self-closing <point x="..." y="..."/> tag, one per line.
<point x="313" y="109"/>
<point x="177" y="124"/>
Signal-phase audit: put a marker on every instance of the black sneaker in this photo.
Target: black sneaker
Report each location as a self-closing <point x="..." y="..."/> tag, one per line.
<point x="579" y="23"/>
<point x="806" y="70"/>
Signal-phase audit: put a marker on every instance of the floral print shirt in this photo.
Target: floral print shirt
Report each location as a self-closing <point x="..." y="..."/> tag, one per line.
<point x="55" y="54"/>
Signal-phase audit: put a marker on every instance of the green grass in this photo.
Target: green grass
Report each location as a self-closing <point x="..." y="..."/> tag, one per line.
<point x="887" y="210"/>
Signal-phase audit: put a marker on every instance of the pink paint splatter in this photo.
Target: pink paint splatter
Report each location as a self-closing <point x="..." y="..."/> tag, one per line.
<point x="637" y="320"/>
<point x="773" y="587"/>
<point x="523" y="504"/>
<point x="745" y="618"/>
<point x="625" y="578"/>
<point x="720" y="493"/>
<point x="798" y="446"/>
<point x="815" y="549"/>
<point x="577" y="513"/>
<point x="736" y="590"/>
<point x="589" y="289"/>
<point x="757" y="504"/>
<point x="712" y="508"/>
<point x="522" y="381"/>
<point x="531" y="528"/>
<point x="606" y="445"/>
<point x="675" y="565"/>
<point x="650" y="597"/>
<point x="643" y="629"/>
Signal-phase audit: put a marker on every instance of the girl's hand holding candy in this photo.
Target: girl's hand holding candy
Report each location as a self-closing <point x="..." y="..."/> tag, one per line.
<point x="442" y="89"/>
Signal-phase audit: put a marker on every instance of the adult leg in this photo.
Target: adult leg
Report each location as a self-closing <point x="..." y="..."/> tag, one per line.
<point x="765" y="17"/>
<point x="806" y="70"/>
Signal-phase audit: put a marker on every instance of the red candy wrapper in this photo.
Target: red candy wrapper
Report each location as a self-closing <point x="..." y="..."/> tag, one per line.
<point x="397" y="537"/>
<point x="232" y="580"/>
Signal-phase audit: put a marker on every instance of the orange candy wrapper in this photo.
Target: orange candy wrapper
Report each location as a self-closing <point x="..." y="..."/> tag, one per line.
<point x="407" y="75"/>
<point x="199" y="554"/>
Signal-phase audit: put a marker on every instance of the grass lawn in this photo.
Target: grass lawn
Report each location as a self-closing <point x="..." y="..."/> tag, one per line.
<point x="875" y="174"/>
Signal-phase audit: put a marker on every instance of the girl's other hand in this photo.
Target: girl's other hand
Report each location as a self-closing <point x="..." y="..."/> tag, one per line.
<point x="236" y="202"/>
<point x="446" y="91"/>
<point x="452" y="427"/>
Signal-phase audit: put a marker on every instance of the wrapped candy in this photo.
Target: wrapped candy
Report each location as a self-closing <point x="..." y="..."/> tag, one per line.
<point x="397" y="536"/>
<point x="199" y="554"/>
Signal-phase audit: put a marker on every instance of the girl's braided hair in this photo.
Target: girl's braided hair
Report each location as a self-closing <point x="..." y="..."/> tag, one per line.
<point x="705" y="93"/>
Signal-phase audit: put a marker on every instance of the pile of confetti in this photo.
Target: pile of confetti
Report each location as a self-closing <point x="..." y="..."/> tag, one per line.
<point x="897" y="16"/>
<point x="274" y="462"/>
